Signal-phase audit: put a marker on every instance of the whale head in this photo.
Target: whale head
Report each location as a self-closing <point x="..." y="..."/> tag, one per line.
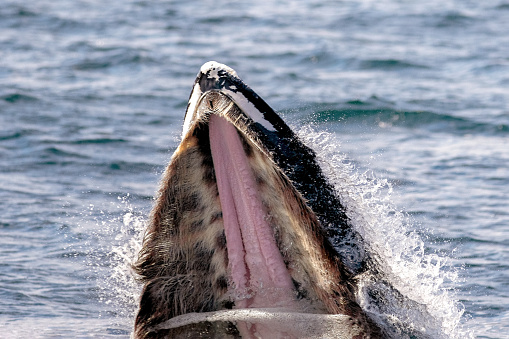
<point x="245" y="219"/>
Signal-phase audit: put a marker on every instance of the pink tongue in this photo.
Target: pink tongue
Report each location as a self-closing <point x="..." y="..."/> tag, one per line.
<point x="259" y="274"/>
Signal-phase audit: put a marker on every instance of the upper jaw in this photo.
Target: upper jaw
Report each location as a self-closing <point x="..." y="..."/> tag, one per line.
<point x="220" y="83"/>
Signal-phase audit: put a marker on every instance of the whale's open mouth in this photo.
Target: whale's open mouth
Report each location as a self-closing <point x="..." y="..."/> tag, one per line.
<point x="244" y="217"/>
<point x="254" y="258"/>
<point x="257" y="200"/>
<point x="258" y="274"/>
<point x="267" y="228"/>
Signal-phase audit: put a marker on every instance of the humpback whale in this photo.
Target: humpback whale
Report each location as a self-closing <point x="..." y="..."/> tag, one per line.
<point x="245" y="221"/>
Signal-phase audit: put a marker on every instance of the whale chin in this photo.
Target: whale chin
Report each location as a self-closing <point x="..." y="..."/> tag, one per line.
<point x="244" y="220"/>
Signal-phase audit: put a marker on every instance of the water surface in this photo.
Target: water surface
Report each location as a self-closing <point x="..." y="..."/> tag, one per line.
<point x="397" y="96"/>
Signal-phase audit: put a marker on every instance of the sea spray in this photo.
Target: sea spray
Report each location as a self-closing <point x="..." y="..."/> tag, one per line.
<point x="109" y="247"/>
<point x="414" y="292"/>
<point x="128" y="241"/>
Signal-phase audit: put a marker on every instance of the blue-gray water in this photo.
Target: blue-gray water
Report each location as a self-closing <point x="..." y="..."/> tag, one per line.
<point x="92" y="97"/>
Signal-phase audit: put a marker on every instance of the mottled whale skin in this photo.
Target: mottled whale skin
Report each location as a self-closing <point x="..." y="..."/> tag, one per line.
<point x="245" y="219"/>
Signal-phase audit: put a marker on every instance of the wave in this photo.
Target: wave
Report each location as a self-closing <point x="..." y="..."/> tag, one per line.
<point x="389" y="64"/>
<point x="454" y="19"/>
<point x="19" y="16"/>
<point x="368" y="114"/>
<point x="17" y="97"/>
<point x="98" y="141"/>
<point x="115" y="57"/>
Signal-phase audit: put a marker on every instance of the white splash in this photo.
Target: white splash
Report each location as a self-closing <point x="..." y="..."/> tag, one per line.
<point x="112" y="246"/>
<point x="420" y="276"/>
<point x="123" y="253"/>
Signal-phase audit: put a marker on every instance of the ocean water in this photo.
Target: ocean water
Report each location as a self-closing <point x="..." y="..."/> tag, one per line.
<point x="405" y="102"/>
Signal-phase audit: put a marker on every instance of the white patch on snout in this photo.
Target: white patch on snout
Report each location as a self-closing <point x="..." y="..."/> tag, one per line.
<point x="247" y="107"/>
<point x="213" y="68"/>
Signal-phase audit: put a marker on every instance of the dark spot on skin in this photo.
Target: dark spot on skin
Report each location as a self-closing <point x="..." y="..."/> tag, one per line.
<point x="201" y="132"/>
<point x="200" y="129"/>
<point x="207" y="160"/>
<point x="191" y="202"/>
<point x="259" y="180"/>
<point x="222" y="283"/>
<point x="196" y="225"/>
<point x="301" y="293"/>
<point x="221" y="241"/>
<point x="247" y="147"/>
<point x="229" y="304"/>
<point x="216" y="216"/>
<point x="203" y="257"/>
<point x="209" y="175"/>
